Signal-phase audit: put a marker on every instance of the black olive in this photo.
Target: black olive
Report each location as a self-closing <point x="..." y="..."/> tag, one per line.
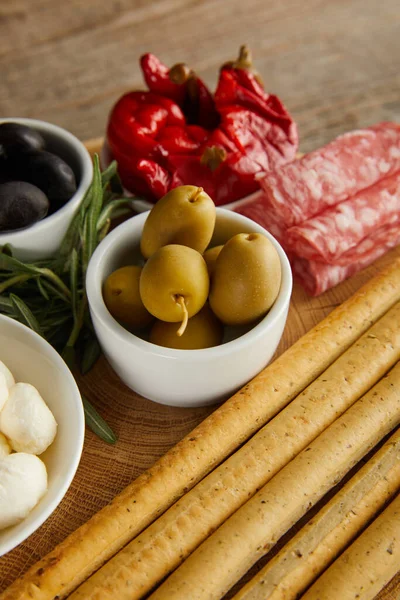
<point x="48" y="172"/>
<point x="21" y="205"/>
<point x="5" y="174"/>
<point x="16" y="139"/>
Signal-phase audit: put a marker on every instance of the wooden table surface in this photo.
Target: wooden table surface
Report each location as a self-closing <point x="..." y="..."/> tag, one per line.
<point x="334" y="64"/>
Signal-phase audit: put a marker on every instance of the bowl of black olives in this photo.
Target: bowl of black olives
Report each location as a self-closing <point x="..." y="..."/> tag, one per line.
<point x="44" y="174"/>
<point x="188" y="301"/>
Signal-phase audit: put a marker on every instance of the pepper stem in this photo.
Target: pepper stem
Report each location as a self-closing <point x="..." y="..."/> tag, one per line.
<point x="179" y="73"/>
<point x="181" y="301"/>
<point x="244" y="60"/>
<point x="212" y="157"/>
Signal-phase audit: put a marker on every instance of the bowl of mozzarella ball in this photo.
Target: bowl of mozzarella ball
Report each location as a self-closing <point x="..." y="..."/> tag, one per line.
<point x="41" y="431"/>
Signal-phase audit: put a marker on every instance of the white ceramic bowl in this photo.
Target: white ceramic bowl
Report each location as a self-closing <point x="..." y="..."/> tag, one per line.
<point x="43" y="238"/>
<point x="182" y="377"/>
<point x="32" y="360"/>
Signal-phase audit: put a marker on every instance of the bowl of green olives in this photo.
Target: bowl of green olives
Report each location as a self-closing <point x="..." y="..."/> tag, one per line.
<point x="45" y="172"/>
<point x="188" y="301"/>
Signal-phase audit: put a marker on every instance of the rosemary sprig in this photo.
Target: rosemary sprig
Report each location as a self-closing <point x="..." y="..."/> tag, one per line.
<point x="50" y="296"/>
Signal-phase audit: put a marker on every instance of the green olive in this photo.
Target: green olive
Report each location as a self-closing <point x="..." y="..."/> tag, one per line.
<point x="174" y="284"/>
<point x="122" y="298"/>
<point x="210" y="256"/>
<point x="202" y="331"/>
<point x="246" y="279"/>
<point x="186" y="216"/>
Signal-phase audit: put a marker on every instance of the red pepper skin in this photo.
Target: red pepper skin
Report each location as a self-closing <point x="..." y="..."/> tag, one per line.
<point x="162" y="138"/>
<point x="191" y="94"/>
<point x="137" y="118"/>
<point x="199" y="105"/>
<point x="232" y="180"/>
<point x="143" y="128"/>
<point x="262" y="141"/>
<point x="156" y="76"/>
<point x="247" y="111"/>
<point x="157" y="179"/>
<point x="143" y="176"/>
<point x="180" y="140"/>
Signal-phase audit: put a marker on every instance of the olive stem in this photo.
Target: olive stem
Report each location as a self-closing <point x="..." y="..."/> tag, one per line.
<point x="181" y="301"/>
<point x="198" y="192"/>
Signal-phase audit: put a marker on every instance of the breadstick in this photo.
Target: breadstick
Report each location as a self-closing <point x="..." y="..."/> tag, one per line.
<point x="161" y="547"/>
<point x="322" y="539"/>
<point x="222" y="559"/>
<point x="367" y="565"/>
<point x="86" y="549"/>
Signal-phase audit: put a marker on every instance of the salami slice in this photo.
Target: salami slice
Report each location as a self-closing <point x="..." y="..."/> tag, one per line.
<point x="350" y="163"/>
<point x="330" y="235"/>
<point x="317" y="277"/>
<point x="257" y="209"/>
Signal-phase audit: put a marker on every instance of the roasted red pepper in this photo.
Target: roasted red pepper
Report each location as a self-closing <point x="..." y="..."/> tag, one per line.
<point x="179" y="133"/>
<point x="181" y="84"/>
<point x="144" y="128"/>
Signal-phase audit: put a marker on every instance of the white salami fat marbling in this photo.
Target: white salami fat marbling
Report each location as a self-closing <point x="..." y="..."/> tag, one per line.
<point x="350" y="163"/>
<point x="317" y="277"/>
<point x="256" y="209"/>
<point x="331" y="235"/>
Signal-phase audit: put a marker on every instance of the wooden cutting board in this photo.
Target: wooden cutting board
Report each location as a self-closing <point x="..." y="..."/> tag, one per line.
<point x="147" y="430"/>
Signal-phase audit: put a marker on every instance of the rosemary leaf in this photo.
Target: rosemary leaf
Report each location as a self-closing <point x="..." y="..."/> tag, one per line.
<point x="42" y="289"/>
<point x="92" y="215"/>
<point x="50" y="288"/>
<point x="6" y="305"/>
<point x="25" y="314"/>
<point x="91" y="353"/>
<point x="109" y="209"/>
<point x="104" y="230"/>
<point x="72" y="237"/>
<point x="55" y="323"/>
<point x="9" y="263"/>
<point x="18" y="279"/>
<point x="74" y="266"/>
<point x="97" y="424"/>
<point x="6" y="249"/>
<point x="110" y="177"/>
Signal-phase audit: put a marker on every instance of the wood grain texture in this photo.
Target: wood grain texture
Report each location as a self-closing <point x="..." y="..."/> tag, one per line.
<point x="146" y="431"/>
<point x="333" y="64"/>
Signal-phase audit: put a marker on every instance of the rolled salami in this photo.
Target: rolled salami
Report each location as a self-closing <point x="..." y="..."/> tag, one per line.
<point x="317" y="277"/>
<point x="350" y="163"/>
<point x="257" y="208"/>
<point x="331" y="235"/>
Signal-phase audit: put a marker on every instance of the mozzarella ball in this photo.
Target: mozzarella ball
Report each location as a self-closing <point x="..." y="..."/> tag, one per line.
<point x="7" y="374"/>
<point x="23" y="482"/>
<point x="27" y="421"/>
<point x="4" y="446"/>
<point x="3" y="390"/>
